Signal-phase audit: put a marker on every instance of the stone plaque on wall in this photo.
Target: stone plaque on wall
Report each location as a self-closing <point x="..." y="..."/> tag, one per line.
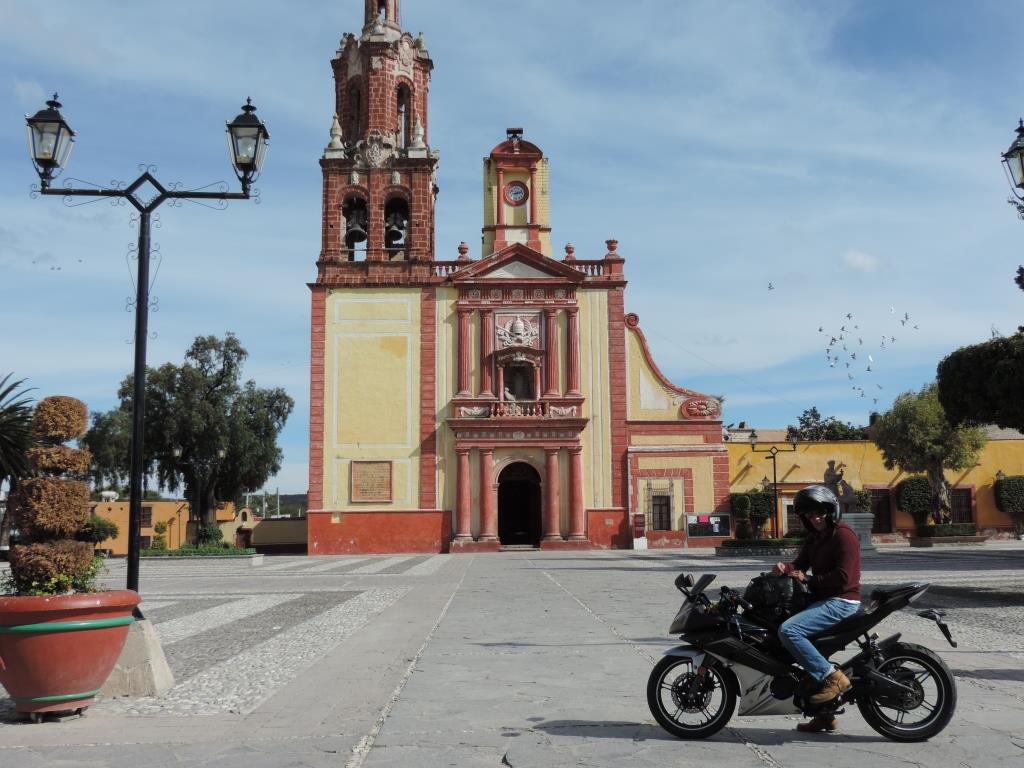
<point x="371" y="481"/>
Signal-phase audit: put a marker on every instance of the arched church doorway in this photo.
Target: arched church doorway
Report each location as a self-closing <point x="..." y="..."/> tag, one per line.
<point x="519" y="509"/>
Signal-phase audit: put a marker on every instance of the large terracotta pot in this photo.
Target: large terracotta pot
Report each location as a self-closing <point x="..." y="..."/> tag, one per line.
<point x="57" y="651"/>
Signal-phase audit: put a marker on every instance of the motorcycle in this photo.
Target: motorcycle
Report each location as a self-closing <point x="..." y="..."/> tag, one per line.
<point x="733" y="658"/>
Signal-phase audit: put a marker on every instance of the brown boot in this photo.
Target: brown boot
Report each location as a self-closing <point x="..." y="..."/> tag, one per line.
<point x="833" y="685"/>
<point x="818" y="724"/>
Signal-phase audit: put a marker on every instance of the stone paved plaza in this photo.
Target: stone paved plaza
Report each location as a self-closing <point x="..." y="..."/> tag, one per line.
<point x="517" y="659"/>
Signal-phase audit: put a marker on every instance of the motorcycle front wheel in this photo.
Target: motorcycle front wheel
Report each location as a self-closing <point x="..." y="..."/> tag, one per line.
<point x="689" y="706"/>
<point x="920" y="713"/>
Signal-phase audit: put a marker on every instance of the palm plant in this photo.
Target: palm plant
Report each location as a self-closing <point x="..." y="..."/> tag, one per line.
<point x="15" y="437"/>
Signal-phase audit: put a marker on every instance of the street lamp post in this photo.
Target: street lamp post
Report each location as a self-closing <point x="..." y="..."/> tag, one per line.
<point x="1013" y="164"/>
<point x="50" y="140"/>
<point x="773" y="453"/>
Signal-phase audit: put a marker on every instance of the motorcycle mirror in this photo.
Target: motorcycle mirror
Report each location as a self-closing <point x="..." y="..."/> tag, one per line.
<point x="683" y="580"/>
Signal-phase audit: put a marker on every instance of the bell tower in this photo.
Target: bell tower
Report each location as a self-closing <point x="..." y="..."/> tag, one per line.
<point x="378" y="168"/>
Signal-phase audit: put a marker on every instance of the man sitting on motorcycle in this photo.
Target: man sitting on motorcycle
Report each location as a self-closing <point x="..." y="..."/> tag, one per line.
<point x="829" y="563"/>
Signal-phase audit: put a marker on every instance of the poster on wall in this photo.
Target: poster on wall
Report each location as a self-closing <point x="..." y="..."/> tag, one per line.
<point x="708" y="525"/>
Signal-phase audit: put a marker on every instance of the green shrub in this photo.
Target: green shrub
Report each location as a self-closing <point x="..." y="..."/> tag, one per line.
<point x="743" y="530"/>
<point x="741" y="506"/>
<point x="209" y="534"/>
<point x="787" y="542"/>
<point x="949" y="529"/>
<point x="191" y="551"/>
<point x="98" y="529"/>
<point x="1009" y="493"/>
<point x="914" y="496"/>
<point x="863" y="504"/>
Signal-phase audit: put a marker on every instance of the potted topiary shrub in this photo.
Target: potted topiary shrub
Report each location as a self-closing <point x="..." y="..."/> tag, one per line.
<point x="741" y="509"/>
<point x="59" y="637"/>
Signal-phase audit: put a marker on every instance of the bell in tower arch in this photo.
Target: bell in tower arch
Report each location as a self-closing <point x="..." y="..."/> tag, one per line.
<point x="396" y="227"/>
<point x="356" y="220"/>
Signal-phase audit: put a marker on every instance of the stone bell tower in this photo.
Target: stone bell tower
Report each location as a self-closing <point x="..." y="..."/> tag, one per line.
<point x="379" y="171"/>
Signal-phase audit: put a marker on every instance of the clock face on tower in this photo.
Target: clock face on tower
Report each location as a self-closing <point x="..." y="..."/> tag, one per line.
<point x="516" y="193"/>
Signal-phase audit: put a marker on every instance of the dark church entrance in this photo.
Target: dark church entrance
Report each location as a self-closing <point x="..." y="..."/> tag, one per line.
<point x="519" y="517"/>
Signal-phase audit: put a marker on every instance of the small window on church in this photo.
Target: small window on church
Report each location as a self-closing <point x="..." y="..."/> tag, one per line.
<point x="519" y="382"/>
<point x="396" y="228"/>
<point x="355" y="113"/>
<point x="404" y="116"/>
<point x="355" y="221"/>
<point x="382" y="8"/>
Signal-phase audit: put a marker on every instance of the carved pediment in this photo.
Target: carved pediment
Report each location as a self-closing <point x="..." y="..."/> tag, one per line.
<point x="517" y="262"/>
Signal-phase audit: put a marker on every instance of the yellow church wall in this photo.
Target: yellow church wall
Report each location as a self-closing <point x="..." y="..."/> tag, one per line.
<point x="446" y="359"/>
<point x="862" y="465"/>
<point x="594" y="382"/>
<point x="647" y="400"/>
<point x="666" y="440"/>
<point x="516" y="215"/>
<point x="372" y="385"/>
<point x="702" y="468"/>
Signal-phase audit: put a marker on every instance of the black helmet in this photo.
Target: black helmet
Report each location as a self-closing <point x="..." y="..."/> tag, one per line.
<point x="814" y="499"/>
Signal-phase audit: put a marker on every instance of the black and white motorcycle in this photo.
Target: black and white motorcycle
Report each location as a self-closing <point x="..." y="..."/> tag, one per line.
<point x="733" y="658"/>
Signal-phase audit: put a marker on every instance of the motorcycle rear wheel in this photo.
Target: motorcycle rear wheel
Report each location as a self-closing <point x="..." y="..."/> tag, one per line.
<point x="709" y="709"/>
<point x="936" y="695"/>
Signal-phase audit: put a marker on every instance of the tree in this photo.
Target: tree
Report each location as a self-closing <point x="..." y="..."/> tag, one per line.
<point x="198" y="410"/>
<point x="981" y="384"/>
<point x="813" y="428"/>
<point x="109" y="439"/>
<point x="16" y="439"/>
<point x="917" y="437"/>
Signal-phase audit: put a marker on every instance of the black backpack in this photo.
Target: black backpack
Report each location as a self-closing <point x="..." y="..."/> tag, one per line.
<point x="777" y="597"/>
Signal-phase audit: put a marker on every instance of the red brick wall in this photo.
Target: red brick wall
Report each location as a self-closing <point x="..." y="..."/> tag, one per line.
<point x="318" y="323"/>
<point x="428" y="395"/>
<point x="609" y="529"/>
<point x="368" y="532"/>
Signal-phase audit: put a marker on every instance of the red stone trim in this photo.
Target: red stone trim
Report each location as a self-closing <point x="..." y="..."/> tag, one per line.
<point x="318" y="347"/>
<point x="632" y="321"/>
<point x="618" y="393"/>
<point x="428" y="397"/>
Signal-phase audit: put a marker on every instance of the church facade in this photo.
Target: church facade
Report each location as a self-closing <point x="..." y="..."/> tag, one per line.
<point x="482" y="402"/>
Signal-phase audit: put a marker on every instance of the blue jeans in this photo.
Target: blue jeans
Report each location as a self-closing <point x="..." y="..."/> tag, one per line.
<point x="816" y="617"/>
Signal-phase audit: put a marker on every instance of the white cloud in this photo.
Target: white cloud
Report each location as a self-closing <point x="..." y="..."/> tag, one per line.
<point x="29" y="93"/>
<point x="860" y="261"/>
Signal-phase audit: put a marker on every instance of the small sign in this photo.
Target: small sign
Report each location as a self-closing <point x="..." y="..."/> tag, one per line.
<point x="371" y="481"/>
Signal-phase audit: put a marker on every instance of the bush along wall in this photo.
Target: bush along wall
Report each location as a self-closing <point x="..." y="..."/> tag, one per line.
<point x="1009" y="493"/>
<point x="950" y="529"/>
<point x="757" y="506"/>
<point x="914" y="496"/>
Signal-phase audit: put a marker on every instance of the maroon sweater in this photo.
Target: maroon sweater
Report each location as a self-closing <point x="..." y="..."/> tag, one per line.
<point x="833" y="557"/>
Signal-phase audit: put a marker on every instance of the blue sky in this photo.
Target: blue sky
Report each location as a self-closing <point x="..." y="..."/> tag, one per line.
<point x="846" y="153"/>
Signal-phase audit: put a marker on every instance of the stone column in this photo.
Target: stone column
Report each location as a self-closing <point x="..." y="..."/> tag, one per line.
<point x="500" y="201"/>
<point x="551" y="353"/>
<point x="486" y="349"/>
<point x="533" y="195"/>
<point x="552" y="522"/>
<point x="463" y="499"/>
<point x="577" y="524"/>
<point x="573" y="352"/>
<point x="464" y="349"/>
<point x="488" y="510"/>
<point x="536" y="382"/>
<point x="501" y="382"/>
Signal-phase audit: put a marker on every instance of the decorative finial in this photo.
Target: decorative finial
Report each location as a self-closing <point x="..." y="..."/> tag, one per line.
<point x="612" y="246"/>
<point x="463" y="251"/>
<point x="421" y="42"/>
<point x="336" y="142"/>
<point x="570" y="249"/>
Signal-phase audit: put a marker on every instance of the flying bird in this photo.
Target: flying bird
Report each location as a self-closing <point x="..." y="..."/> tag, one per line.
<point x="849" y="316"/>
<point x="771" y="287"/>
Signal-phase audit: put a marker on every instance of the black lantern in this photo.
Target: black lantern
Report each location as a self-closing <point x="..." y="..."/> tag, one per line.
<point x="247" y="142"/>
<point x="50" y="140"/>
<point x="1013" y="162"/>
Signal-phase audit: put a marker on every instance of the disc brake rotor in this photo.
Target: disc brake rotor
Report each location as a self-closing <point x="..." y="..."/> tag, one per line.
<point x="697" y="701"/>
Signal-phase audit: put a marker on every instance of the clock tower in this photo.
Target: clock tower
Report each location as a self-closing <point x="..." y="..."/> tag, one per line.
<point x="516" y="206"/>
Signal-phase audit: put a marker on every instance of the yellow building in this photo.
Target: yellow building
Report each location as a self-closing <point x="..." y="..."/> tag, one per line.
<point x="860" y="464"/>
<point x="172" y="512"/>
